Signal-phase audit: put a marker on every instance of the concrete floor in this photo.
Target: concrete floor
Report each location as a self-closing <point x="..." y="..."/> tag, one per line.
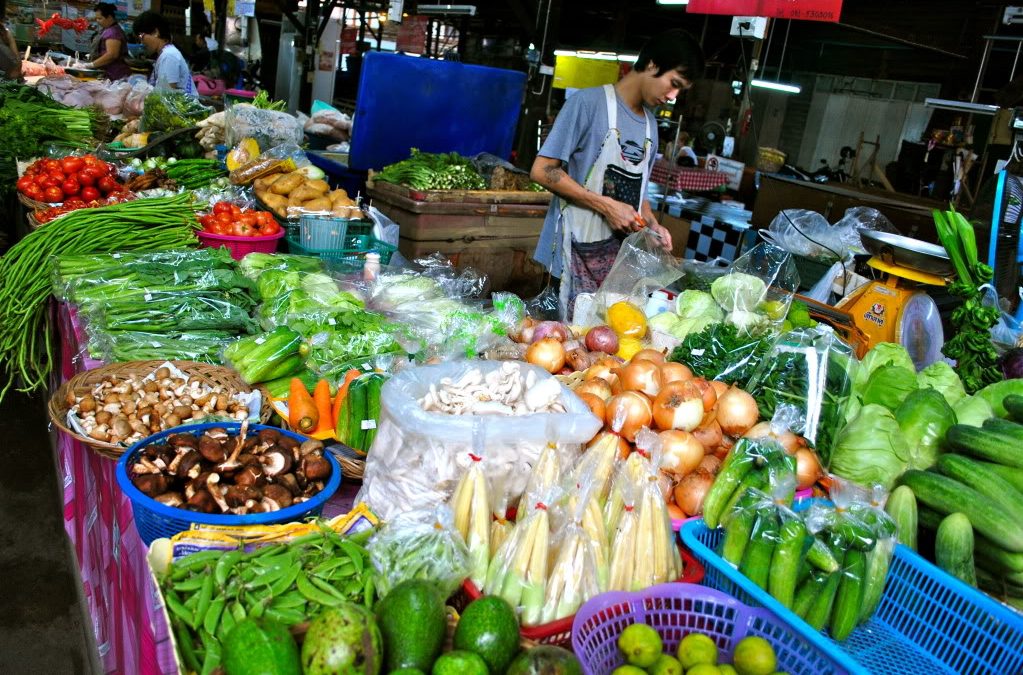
<point x="43" y="622"/>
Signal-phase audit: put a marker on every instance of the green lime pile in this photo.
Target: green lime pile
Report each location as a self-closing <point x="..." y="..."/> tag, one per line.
<point x="643" y="650"/>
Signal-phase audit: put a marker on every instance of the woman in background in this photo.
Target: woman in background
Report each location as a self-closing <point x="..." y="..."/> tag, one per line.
<point x="113" y="44"/>
<point x="171" y="69"/>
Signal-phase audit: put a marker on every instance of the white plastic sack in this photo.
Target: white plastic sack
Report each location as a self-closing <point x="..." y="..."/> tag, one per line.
<point x="418" y="457"/>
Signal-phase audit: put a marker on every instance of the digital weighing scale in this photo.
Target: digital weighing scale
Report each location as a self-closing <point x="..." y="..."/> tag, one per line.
<point x="897" y="307"/>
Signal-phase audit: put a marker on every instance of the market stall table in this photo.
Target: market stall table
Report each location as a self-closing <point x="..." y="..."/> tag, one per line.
<point x="688" y="179"/>
<point x="131" y="633"/>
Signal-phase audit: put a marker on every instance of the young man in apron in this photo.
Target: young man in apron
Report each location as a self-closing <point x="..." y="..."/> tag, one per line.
<point x="597" y="161"/>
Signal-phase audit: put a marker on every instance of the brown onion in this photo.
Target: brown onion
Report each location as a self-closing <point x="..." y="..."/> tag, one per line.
<point x="719" y="387"/>
<point x="597" y="386"/>
<point x="602" y="369"/>
<point x="524" y="331"/>
<point x="736" y="411"/>
<point x="595" y="404"/>
<point x="674" y="512"/>
<point x="691" y="490"/>
<point x="649" y="355"/>
<point x="675" y="372"/>
<point x="548" y="353"/>
<point x="710" y="464"/>
<point x="681" y="452"/>
<point x="678" y="406"/>
<point x="641" y="376"/>
<point x="709" y="431"/>
<point x="727" y="443"/>
<point x="808" y="469"/>
<point x="578" y="359"/>
<point x="766" y="430"/>
<point x="627" y="413"/>
<point x="710" y="397"/>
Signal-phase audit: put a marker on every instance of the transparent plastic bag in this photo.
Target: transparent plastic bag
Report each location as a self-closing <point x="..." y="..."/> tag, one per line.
<point x="420" y="455"/>
<point x="544" y="306"/>
<point x="471" y="503"/>
<point x="760" y="282"/>
<point x="283" y="158"/>
<point x="254" y="264"/>
<point x="420" y="545"/>
<point x="641" y="267"/>
<point x="118" y="346"/>
<point x="290" y="293"/>
<point x="171" y="312"/>
<point x="166" y="110"/>
<point x="811" y="369"/>
<point x="269" y="128"/>
<point x="808" y="234"/>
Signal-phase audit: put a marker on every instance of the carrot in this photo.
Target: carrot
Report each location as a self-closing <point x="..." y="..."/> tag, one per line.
<point x="321" y="397"/>
<point x="302" y="413"/>
<point x="342" y="392"/>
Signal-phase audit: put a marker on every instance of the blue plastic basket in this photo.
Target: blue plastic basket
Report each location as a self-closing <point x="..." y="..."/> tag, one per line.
<point x="927" y="622"/>
<point x="155" y="520"/>
<point x="349" y="258"/>
<point x="674" y="611"/>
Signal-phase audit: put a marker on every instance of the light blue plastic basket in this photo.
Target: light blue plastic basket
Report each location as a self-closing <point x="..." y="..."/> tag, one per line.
<point x="928" y="622"/>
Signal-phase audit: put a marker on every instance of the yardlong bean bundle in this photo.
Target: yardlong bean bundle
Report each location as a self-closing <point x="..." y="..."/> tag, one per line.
<point x="142" y="225"/>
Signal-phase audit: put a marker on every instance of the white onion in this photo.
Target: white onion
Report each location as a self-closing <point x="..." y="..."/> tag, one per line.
<point x="678" y="406"/>
<point x="736" y="411"/>
<point x="681" y="452"/>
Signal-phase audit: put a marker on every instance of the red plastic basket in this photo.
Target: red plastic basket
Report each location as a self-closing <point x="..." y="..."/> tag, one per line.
<point x="559" y="633"/>
<point x="240" y="246"/>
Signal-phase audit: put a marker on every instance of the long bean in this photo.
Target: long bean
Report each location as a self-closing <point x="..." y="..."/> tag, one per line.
<point x="142" y="225"/>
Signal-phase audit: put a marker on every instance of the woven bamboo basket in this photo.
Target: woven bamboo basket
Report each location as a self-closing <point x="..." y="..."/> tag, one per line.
<point x="33" y="222"/>
<point x="31" y="204"/>
<point x="214" y="376"/>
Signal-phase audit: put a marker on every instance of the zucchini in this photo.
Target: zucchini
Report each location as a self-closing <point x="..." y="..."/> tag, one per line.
<point x="947" y="496"/>
<point x="756" y="560"/>
<point x="901" y="507"/>
<point x="784" y="571"/>
<point x="879" y="559"/>
<point x="985" y="443"/>
<point x="737" y="465"/>
<point x="808" y="592"/>
<point x="849" y="599"/>
<point x="977" y="476"/>
<point x="820" y="609"/>
<point x="1013" y="404"/>
<point x="953" y="548"/>
<point x="739" y="528"/>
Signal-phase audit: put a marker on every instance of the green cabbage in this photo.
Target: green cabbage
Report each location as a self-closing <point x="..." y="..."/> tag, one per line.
<point x="940" y="376"/>
<point x="752" y="323"/>
<point x="882" y="354"/>
<point x="889" y="386"/>
<point x="694" y="325"/>
<point x="697" y="304"/>
<point x="871" y="449"/>
<point x="995" y="393"/>
<point x="738" y="291"/>
<point x="924" y="418"/>
<point x="665" y="322"/>
<point x="973" y="410"/>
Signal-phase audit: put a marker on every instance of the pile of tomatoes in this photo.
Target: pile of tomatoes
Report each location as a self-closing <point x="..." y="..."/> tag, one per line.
<point x="74" y="181"/>
<point x="232" y="220"/>
<point x="76" y="203"/>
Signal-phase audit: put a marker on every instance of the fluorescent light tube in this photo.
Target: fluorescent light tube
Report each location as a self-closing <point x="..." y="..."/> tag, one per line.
<point x="672" y="2"/>
<point x="777" y="86"/>
<point x="961" y="106"/>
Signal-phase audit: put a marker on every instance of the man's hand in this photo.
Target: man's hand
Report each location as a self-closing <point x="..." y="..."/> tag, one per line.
<point x="620" y="217"/>
<point x="665" y="236"/>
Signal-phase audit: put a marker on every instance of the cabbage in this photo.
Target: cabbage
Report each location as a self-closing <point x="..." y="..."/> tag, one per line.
<point x="738" y="291"/>
<point x="694" y="325"/>
<point x="889" y="386"/>
<point x="995" y="393"/>
<point x="924" y="418"/>
<point x="973" y="410"/>
<point x="665" y="322"/>
<point x="748" y="322"/>
<point x="697" y="304"/>
<point x="871" y="449"/>
<point x="883" y="353"/>
<point x="940" y="376"/>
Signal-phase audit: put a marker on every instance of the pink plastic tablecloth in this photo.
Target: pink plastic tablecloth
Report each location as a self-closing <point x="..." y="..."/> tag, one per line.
<point x="131" y="633"/>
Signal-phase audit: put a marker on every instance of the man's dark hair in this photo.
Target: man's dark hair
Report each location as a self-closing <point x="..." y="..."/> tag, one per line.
<point x="150" y="22"/>
<point x="106" y="8"/>
<point x="672" y="50"/>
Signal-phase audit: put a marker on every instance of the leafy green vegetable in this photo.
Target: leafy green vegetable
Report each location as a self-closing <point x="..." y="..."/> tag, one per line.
<point x="994" y="394"/>
<point x="924" y="417"/>
<point x="748" y="322"/>
<point x="871" y="449"/>
<point x="973" y="410"/>
<point x="164" y="110"/>
<point x="263" y="102"/>
<point x="254" y="264"/>
<point x="720" y="352"/>
<point x="889" y="386"/>
<point x="940" y="377"/>
<point x="698" y="304"/>
<point x="738" y="291"/>
<point x="881" y="354"/>
<point x="428" y="171"/>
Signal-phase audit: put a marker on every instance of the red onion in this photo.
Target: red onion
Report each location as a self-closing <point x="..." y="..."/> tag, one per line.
<point x="550" y="329"/>
<point x="602" y="339"/>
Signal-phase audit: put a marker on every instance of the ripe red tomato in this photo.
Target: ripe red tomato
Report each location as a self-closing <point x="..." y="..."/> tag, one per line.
<point x="70" y="165"/>
<point x="272" y="227"/>
<point x="49" y="165"/>
<point x="89" y="194"/>
<point x="107" y="184"/>
<point x="53" y="194"/>
<point x="24" y="182"/>
<point x="242" y="229"/>
<point x="86" y="177"/>
<point x="58" y="176"/>
<point x="70" y="187"/>
<point x="35" y="192"/>
<point x="221" y="207"/>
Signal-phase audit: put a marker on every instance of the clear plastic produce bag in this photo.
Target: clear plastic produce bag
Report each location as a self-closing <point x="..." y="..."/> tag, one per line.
<point x="419" y="456"/>
<point x="269" y="128"/>
<point x="422" y="544"/>
<point x="166" y="110"/>
<point x="758" y="288"/>
<point x="641" y="267"/>
<point x="808" y="234"/>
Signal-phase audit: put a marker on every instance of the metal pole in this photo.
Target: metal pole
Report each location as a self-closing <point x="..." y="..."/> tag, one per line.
<point x="1012" y="75"/>
<point x="784" y="46"/>
<point x="767" y="51"/>
<point x="980" y="71"/>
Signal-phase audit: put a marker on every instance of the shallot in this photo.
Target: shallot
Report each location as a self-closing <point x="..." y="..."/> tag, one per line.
<point x="602" y="339"/>
<point x="736" y="411"/>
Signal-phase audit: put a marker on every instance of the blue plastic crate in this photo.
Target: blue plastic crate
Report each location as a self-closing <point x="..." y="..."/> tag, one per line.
<point x="928" y="621"/>
<point x="349" y="258"/>
<point x="155" y="520"/>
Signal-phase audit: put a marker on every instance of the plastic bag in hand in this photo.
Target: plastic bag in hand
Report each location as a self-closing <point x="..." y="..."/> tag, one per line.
<point x="641" y="267"/>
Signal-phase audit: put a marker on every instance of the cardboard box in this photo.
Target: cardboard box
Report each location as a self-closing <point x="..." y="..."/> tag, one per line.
<point x="679" y="229"/>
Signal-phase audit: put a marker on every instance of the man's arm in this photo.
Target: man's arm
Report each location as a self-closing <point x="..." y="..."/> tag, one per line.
<point x="548" y="172"/>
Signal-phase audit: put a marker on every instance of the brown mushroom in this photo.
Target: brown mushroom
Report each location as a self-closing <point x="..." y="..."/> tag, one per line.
<point x="202" y="501"/>
<point x="250" y="444"/>
<point x="268" y="436"/>
<point x="287" y="442"/>
<point x="279" y="494"/>
<point x="315" y="467"/>
<point x="276" y="462"/>
<point x="179" y="440"/>
<point x="237" y="495"/>
<point x="189" y="464"/>
<point x="251" y="476"/>
<point x="151" y="485"/>
<point x="248" y="459"/>
<point x="217" y="433"/>
<point x="310" y="446"/>
<point x="216" y="491"/>
<point x="103" y="417"/>
<point x="87" y="404"/>
<point x="170" y="499"/>
<point x="182" y="411"/>
<point x="211" y="450"/>
<point x="288" y="481"/>
<point x="196" y="484"/>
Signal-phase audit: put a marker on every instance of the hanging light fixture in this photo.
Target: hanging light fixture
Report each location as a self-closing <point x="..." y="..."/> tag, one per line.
<point x="776" y="85"/>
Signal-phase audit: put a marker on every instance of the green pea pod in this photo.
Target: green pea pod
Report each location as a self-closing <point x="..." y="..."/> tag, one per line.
<point x="356" y="553"/>
<point x="191" y="584"/>
<point x="286" y="581"/>
<point x="213" y="656"/>
<point x="314" y="594"/>
<point x="327" y="588"/>
<point x="225" y="565"/>
<point x="182" y="567"/>
<point x="286" y="617"/>
<point x="205" y="598"/>
<point x="368" y="591"/>
<point x="333" y="568"/>
<point x="238" y="611"/>
<point x="212" y="617"/>
<point x="265" y="551"/>
<point x="178" y="609"/>
<point x="289" y="600"/>
<point x="185" y="646"/>
<point x="227" y="622"/>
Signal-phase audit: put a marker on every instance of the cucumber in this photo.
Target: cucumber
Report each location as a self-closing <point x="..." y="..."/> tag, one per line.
<point x="947" y="496"/>
<point x="784" y="572"/>
<point x="355" y="404"/>
<point x="1013" y="404"/>
<point x="1004" y="427"/>
<point x="995" y="557"/>
<point x="879" y="559"/>
<point x="853" y="530"/>
<point x="849" y="599"/>
<point x="985" y="443"/>
<point x="1011" y="474"/>
<point x="821" y="557"/>
<point x="284" y="368"/>
<point x="755" y="480"/>
<point x="737" y="465"/>
<point x="373" y="387"/>
<point x="808" y="592"/>
<point x="901" y="507"/>
<point x="756" y="560"/>
<point x="998" y="586"/>
<point x="739" y="529"/>
<point x="820" y="610"/>
<point x="953" y="548"/>
<point x="974" y="474"/>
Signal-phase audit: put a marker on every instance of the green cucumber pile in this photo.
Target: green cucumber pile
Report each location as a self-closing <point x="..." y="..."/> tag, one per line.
<point x="276" y="355"/>
<point x="360" y="411"/>
<point x="750" y="465"/>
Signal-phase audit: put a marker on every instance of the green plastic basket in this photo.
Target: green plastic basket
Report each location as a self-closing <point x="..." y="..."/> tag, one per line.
<point x="352" y="257"/>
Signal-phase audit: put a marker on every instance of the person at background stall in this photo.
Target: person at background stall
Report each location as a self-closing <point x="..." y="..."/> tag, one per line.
<point x="10" y="57"/>
<point x="112" y="50"/>
<point x="597" y="161"/>
<point x="171" y="69"/>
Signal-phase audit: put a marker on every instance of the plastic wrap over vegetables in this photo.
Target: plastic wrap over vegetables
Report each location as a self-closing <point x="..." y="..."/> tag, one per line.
<point x="420" y="545"/>
<point x="429" y="416"/>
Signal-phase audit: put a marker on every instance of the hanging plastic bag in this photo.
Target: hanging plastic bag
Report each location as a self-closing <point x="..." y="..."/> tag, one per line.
<point x="641" y="267"/>
<point x="167" y="109"/>
<point x="420" y="545"/>
<point x="269" y="128"/>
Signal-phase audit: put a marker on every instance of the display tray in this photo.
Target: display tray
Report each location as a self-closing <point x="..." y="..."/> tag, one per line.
<point x="460" y="196"/>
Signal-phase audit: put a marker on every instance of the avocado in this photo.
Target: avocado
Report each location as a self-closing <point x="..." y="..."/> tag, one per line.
<point x="460" y="663"/>
<point x="413" y="625"/>
<point x="489" y="628"/>
<point x="545" y="660"/>
<point x="342" y="640"/>
<point x="260" y="648"/>
<point x="407" y="671"/>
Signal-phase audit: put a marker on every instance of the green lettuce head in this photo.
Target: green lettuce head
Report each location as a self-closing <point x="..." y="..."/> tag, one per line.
<point x="871" y="449"/>
<point x="696" y="305"/>
<point x="882" y="354"/>
<point x="973" y="410"/>
<point x="738" y="291"/>
<point x="889" y="386"/>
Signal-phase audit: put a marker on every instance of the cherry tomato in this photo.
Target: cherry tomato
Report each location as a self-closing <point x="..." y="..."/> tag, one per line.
<point x="89" y="194"/>
<point x="53" y="194"/>
<point x="70" y="165"/>
<point x="70" y="187"/>
<point x="49" y="165"/>
<point x="24" y="182"/>
<point x="221" y="207"/>
<point x="86" y="177"/>
<point x="107" y="184"/>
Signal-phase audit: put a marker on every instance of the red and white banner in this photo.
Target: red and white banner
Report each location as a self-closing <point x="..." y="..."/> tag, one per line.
<point x="804" y="10"/>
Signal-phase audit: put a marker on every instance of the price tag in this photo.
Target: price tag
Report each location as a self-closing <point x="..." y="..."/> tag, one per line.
<point x="331" y="321"/>
<point x="698" y="352"/>
<point x="368" y="424"/>
<point x="115" y="256"/>
<point x="148" y="297"/>
<point x="260" y="340"/>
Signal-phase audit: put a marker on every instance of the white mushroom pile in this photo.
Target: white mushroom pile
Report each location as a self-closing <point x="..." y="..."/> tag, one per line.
<point x="506" y="391"/>
<point x="127" y="410"/>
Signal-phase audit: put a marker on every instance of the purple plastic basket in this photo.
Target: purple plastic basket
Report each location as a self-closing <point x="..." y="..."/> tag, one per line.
<point x="675" y="610"/>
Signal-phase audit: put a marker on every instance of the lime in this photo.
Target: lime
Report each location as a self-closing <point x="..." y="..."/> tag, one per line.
<point x="726" y="669"/>
<point x="628" y="670"/>
<point x="704" y="669"/>
<point x="640" y="644"/>
<point x="697" y="648"/>
<point x="774" y="309"/>
<point x="754" y="656"/>
<point x="665" y="665"/>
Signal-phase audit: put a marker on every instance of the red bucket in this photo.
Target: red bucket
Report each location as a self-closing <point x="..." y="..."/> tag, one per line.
<point x="240" y="246"/>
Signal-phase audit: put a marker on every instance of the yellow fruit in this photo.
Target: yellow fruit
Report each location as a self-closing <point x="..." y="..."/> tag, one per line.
<point x="626" y="320"/>
<point x="628" y="347"/>
<point x="628" y="670"/>
<point x="696" y="649"/>
<point x="754" y="656"/>
<point x="246" y="151"/>
<point x="726" y="669"/>
<point x="640" y="645"/>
